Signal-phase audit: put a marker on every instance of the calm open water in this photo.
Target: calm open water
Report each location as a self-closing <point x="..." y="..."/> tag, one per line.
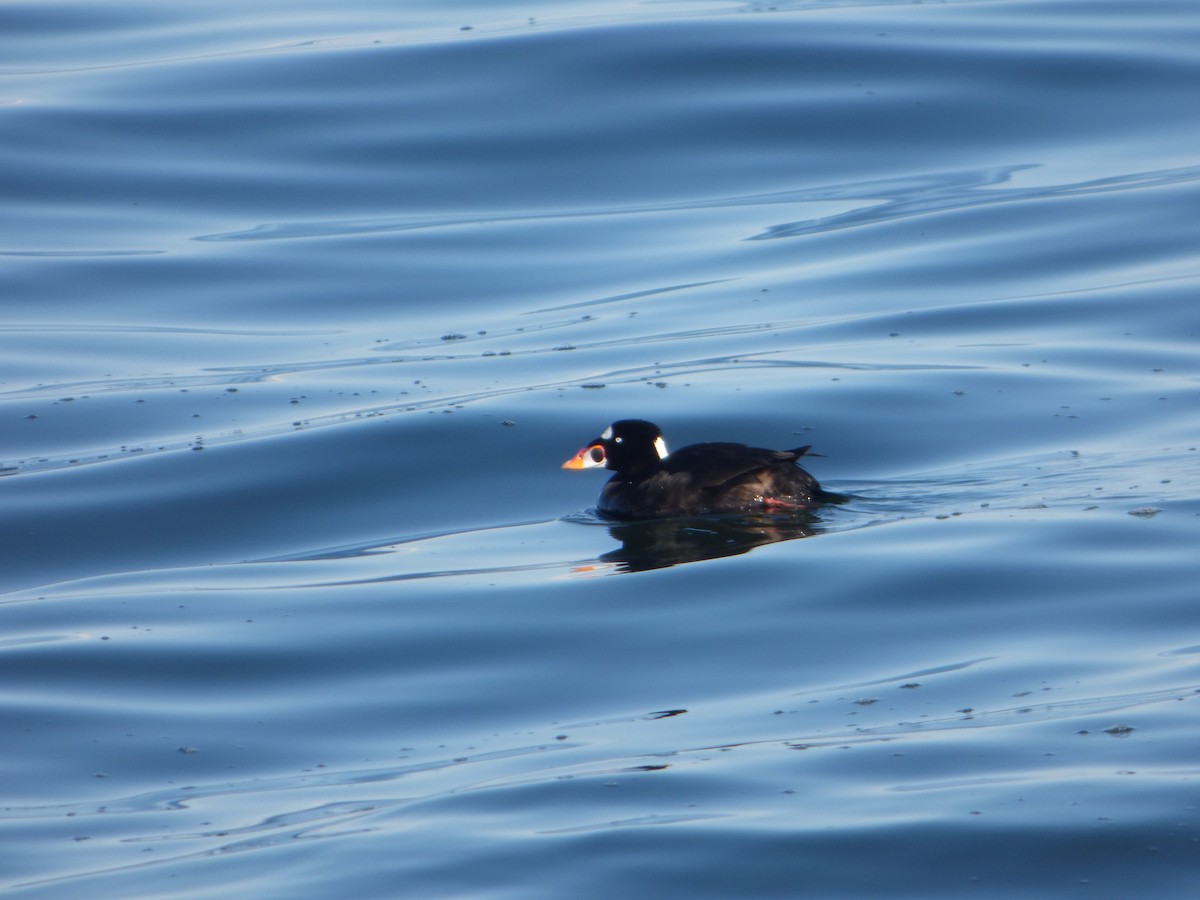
<point x="303" y="304"/>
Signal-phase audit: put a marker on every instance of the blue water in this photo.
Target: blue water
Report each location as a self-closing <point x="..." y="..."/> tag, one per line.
<point x="303" y="305"/>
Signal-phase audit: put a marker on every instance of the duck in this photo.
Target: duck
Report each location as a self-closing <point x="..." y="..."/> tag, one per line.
<point x="649" y="482"/>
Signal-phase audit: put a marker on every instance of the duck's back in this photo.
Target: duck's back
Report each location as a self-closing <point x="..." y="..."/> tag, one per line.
<point x="713" y="478"/>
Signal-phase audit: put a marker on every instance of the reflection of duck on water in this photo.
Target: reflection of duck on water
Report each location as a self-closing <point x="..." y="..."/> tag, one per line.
<point x="659" y="543"/>
<point x="701" y="479"/>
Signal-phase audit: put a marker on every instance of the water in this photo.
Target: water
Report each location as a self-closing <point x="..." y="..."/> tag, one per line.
<point x="303" y="306"/>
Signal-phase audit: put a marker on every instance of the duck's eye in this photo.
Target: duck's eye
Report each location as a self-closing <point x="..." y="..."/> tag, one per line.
<point x="596" y="453"/>
<point x="618" y="440"/>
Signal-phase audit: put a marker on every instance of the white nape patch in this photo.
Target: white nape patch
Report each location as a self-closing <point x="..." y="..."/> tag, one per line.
<point x="660" y="447"/>
<point x="606" y="434"/>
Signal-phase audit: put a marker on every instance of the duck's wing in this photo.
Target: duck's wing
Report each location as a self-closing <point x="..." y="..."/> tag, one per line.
<point x="717" y="463"/>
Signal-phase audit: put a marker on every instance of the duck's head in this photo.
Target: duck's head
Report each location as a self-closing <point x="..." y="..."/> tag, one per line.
<point x="625" y="444"/>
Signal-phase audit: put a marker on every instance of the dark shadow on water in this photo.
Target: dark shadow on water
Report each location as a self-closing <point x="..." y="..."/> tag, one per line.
<point x="659" y="543"/>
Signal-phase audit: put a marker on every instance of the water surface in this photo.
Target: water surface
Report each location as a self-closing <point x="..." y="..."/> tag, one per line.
<point x="304" y="306"/>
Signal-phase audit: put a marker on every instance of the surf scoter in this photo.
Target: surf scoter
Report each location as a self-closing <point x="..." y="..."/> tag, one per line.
<point x="696" y="480"/>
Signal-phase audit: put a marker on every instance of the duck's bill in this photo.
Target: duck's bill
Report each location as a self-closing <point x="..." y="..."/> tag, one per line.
<point x="589" y="457"/>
